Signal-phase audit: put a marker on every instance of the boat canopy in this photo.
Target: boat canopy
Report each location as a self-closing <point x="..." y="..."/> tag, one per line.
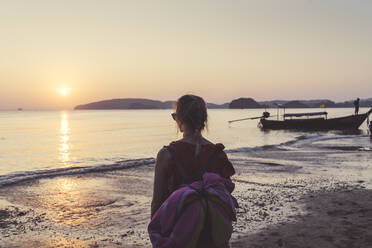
<point x="305" y="114"/>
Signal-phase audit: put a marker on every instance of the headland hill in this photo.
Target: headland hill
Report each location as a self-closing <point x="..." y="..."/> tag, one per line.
<point x="240" y="103"/>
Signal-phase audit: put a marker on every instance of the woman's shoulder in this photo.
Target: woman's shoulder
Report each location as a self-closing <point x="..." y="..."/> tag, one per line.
<point x="163" y="155"/>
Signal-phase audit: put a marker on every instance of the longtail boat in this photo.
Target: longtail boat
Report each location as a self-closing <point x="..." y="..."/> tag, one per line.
<point x="321" y="122"/>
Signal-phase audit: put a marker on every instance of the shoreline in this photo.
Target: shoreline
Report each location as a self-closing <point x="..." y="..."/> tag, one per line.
<point x="280" y="206"/>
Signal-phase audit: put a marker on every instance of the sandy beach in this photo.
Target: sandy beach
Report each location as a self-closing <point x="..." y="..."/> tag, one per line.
<point x="281" y="205"/>
<point x="92" y="90"/>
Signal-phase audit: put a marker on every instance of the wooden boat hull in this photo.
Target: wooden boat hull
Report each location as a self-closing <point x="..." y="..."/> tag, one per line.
<point x="342" y="123"/>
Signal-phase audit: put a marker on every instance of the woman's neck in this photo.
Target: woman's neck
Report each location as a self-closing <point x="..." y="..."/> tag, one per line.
<point x="191" y="134"/>
<point x="192" y="137"/>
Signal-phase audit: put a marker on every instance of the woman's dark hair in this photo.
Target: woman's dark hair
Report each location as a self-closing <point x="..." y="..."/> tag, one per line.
<point x="192" y="111"/>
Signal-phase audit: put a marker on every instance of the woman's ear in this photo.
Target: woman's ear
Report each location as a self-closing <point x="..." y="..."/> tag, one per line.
<point x="181" y="126"/>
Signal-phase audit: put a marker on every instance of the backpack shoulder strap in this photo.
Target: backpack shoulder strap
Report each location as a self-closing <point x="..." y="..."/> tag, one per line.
<point x="178" y="162"/>
<point x="206" y="166"/>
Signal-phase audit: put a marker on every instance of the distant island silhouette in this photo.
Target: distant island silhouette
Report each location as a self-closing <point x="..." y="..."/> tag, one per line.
<point x="138" y="103"/>
<point x="240" y="103"/>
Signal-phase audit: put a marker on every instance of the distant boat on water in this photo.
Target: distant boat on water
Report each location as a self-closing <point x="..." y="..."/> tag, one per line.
<point x="19" y="109"/>
<point x="292" y="121"/>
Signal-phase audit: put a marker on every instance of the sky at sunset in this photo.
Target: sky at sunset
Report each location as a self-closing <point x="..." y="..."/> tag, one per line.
<point x="58" y="54"/>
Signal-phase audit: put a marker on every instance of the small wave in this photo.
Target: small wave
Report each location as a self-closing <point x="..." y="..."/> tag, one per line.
<point x="252" y="149"/>
<point x="348" y="148"/>
<point x="271" y="164"/>
<point x="281" y="146"/>
<point x="336" y="136"/>
<point x="18" y="177"/>
<point x="299" y="142"/>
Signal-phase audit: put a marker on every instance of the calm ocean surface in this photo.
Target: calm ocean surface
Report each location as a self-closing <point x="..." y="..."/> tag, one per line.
<point x="47" y="140"/>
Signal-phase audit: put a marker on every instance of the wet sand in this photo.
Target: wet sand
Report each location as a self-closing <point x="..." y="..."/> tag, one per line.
<point x="284" y="202"/>
<point x="97" y="210"/>
<point x="334" y="219"/>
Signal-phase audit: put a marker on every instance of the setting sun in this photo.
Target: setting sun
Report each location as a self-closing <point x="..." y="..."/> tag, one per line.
<point x="63" y="92"/>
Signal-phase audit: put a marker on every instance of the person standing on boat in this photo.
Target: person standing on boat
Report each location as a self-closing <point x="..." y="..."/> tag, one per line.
<point x="356" y="104"/>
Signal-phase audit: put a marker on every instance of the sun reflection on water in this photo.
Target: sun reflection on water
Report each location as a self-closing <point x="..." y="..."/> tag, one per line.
<point x="75" y="202"/>
<point x="66" y="203"/>
<point x="64" y="146"/>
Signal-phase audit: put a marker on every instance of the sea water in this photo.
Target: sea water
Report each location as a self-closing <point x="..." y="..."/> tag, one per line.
<point x="36" y="144"/>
